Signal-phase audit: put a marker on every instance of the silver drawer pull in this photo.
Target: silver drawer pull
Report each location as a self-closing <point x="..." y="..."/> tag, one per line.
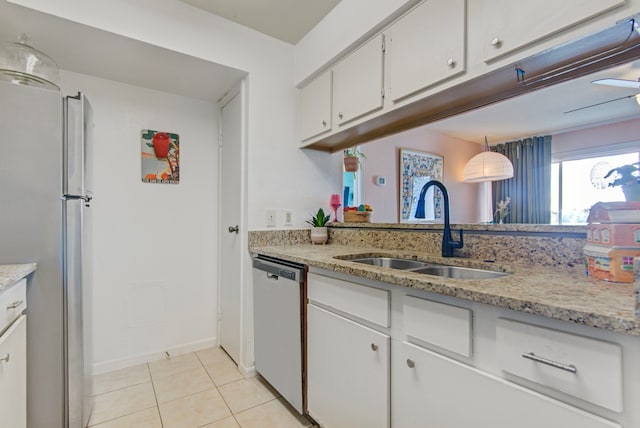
<point x="5" y="358"/>
<point x="566" y="367"/>
<point x="15" y="304"/>
<point x="410" y="363"/>
<point x="374" y="347"/>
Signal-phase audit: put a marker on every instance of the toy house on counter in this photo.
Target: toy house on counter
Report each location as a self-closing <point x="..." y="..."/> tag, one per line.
<point x="613" y="240"/>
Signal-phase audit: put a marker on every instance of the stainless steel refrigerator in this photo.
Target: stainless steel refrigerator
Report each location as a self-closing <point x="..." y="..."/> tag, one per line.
<point x="45" y="193"/>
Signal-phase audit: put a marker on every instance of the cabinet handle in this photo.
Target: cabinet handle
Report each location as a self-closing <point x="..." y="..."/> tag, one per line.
<point x="410" y="363"/>
<point x="340" y="115"/>
<point x="5" y="358"/>
<point x="15" y="304"/>
<point x="496" y="42"/>
<point x="451" y="63"/>
<point x="374" y="347"/>
<point x="538" y="359"/>
<point x="324" y="123"/>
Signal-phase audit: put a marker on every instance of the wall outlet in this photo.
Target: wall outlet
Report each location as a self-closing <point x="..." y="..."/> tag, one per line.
<point x="288" y="217"/>
<point x="271" y="218"/>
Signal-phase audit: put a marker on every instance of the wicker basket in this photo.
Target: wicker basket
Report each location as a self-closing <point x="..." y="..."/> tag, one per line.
<point x="357" y="216"/>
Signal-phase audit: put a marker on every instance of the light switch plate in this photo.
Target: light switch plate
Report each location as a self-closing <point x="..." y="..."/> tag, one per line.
<point x="288" y="217"/>
<point x="271" y="218"/>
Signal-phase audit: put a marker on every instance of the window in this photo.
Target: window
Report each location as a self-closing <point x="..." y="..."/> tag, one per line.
<point x="572" y="193"/>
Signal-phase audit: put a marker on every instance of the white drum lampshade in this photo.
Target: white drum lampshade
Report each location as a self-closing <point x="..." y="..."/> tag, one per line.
<point x="487" y="166"/>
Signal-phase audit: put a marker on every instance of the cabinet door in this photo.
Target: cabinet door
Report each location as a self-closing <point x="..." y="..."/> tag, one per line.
<point x="315" y="107"/>
<point x="444" y="393"/>
<point x="426" y="47"/>
<point x="357" y="83"/>
<point x="348" y="372"/>
<point x="13" y="375"/>
<point x="509" y="25"/>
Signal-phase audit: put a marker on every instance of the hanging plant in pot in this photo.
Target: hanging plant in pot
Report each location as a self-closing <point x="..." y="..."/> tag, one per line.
<point x="318" y="222"/>
<point x="352" y="159"/>
<point x="628" y="178"/>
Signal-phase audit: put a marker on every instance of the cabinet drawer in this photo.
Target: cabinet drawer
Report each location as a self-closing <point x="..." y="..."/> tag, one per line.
<point x="12" y="302"/>
<point x="583" y="367"/>
<point x="446" y="326"/>
<point x="367" y="303"/>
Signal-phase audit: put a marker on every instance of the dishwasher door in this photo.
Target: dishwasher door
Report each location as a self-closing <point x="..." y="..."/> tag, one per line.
<point x="278" y="293"/>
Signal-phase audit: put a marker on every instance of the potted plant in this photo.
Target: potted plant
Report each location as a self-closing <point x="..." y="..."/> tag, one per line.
<point x="627" y="177"/>
<point x="318" y="222"/>
<point x="352" y="158"/>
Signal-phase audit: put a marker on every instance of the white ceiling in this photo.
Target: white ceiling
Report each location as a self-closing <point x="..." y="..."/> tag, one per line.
<point x="86" y="50"/>
<point x="559" y="108"/>
<point x="287" y="20"/>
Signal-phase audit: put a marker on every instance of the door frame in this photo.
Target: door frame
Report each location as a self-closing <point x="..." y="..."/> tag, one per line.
<point x="245" y="365"/>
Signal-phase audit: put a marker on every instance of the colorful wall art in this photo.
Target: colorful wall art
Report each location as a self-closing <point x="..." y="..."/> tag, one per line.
<point x="160" y="156"/>
<point x="416" y="169"/>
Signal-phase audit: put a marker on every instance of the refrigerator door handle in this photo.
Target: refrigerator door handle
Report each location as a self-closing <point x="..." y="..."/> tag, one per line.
<point x="86" y="198"/>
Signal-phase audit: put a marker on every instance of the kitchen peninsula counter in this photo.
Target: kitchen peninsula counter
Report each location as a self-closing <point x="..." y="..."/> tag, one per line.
<point x="559" y="292"/>
<point x="10" y="274"/>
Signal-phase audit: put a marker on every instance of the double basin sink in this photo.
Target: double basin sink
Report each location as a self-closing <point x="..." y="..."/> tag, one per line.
<point x="427" y="268"/>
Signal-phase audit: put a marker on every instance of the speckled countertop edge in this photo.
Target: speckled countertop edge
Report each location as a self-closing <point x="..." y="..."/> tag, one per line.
<point x="565" y="294"/>
<point x="481" y="227"/>
<point x="10" y="274"/>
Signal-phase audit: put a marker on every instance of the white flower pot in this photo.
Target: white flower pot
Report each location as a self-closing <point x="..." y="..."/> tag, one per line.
<point x="319" y="235"/>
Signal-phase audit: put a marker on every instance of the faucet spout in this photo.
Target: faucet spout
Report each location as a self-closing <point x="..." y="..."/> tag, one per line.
<point x="448" y="243"/>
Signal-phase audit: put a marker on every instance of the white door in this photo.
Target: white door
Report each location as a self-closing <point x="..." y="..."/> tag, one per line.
<point x="230" y="218"/>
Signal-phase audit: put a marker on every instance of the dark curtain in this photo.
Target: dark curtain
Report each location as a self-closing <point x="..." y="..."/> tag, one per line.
<point x="530" y="187"/>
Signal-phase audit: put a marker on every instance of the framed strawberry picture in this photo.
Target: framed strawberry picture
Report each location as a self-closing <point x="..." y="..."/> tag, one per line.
<point x="160" y="156"/>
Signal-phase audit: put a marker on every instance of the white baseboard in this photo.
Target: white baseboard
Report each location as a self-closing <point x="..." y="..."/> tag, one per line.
<point x="121" y="363"/>
<point x="247" y="371"/>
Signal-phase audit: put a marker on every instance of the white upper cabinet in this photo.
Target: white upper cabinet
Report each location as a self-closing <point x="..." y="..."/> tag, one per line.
<point x="425" y="47"/>
<point x="357" y="82"/>
<point x="508" y="25"/>
<point x="315" y="107"/>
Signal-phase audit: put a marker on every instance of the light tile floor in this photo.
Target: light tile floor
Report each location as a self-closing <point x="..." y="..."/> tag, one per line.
<point x="201" y="389"/>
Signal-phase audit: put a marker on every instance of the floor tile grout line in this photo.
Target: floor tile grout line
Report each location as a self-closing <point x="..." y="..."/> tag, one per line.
<point x="155" y="395"/>
<point x="121" y="416"/>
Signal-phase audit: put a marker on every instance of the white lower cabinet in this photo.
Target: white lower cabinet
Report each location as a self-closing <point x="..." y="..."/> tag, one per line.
<point x="431" y="390"/>
<point x="347" y="372"/>
<point x="369" y="366"/>
<point x="13" y="375"/>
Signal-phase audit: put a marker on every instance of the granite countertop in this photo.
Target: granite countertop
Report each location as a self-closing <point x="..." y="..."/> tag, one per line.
<point x="10" y="274"/>
<point x="564" y="293"/>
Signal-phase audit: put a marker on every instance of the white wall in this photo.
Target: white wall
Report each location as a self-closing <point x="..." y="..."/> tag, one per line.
<point x="155" y="250"/>
<point x="383" y="159"/>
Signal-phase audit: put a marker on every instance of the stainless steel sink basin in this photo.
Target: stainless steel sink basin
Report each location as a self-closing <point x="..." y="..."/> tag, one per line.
<point x="429" y="268"/>
<point x="459" y="272"/>
<point x="390" y="262"/>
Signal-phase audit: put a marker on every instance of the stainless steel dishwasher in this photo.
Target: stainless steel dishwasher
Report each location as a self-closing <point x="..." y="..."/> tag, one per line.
<point x="279" y="294"/>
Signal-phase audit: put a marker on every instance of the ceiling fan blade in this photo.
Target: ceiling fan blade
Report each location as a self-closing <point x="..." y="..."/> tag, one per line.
<point x="618" y="82"/>
<point x="599" y="104"/>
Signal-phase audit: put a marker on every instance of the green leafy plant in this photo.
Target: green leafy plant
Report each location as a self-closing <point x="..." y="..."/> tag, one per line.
<point x="354" y="152"/>
<point x="320" y="219"/>
<point x="624" y="175"/>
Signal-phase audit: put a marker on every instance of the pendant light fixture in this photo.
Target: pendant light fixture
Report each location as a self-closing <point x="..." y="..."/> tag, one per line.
<point x="487" y="166"/>
<point x="23" y="65"/>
